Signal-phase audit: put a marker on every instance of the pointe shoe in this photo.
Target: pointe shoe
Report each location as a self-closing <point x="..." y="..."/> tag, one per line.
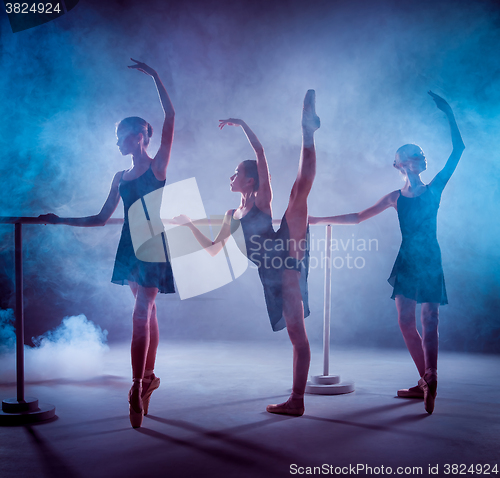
<point x="429" y="387"/>
<point x="310" y="120"/>
<point x="149" y="385"/>
<point x="287" y="408"/>
<point x="136" y="412"/>
<point x="413" y="392"/>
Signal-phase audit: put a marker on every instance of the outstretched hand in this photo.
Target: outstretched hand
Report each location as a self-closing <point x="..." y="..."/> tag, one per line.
<point x="49" y="219"/>
<point x="230" y="122"/>
<point x="181" y="220"/>
<point x="441" y="103"/>
<point x="143" y="67"/>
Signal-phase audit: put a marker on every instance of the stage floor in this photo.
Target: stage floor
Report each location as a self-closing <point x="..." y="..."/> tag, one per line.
<point x="208" y="418"/>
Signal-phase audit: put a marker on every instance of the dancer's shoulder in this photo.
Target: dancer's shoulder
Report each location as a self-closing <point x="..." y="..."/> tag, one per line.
<point x="391" y="199"/>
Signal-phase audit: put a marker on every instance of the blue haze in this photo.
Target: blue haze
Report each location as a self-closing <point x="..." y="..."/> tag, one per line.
<point x="65" y="84"/>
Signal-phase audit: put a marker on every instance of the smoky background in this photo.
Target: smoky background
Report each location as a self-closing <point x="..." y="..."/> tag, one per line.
<point x="65" y="85"/>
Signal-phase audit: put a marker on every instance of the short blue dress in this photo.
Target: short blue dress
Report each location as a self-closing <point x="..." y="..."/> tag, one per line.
<point x="418" y="272"/>
<point x="267" y="249"/>
<point x="127" y="266"/>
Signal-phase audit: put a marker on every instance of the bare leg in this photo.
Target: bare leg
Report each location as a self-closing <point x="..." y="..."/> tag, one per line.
<point x="150" y="382"/>
<point x="294" y="315"/>
<point x="407" y="324"/>
<point x="296" y="213"/>
<point x="154" y="339"/>
<point x="144" y="300"/>
<point x="430" y="319"/>
<point x="428" y="382"/>
<point x="154" y="334"/>
<point x="140" y="335"/>
<point x="296" y="217"/>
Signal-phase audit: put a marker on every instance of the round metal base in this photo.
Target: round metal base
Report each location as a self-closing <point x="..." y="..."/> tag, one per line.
<point x="328" y="385"/>
<point x="28" y="411"/>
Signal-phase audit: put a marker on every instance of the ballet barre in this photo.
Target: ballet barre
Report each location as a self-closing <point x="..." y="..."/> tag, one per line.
<point x="20" y="410"/>
<point x="27" y="409"/>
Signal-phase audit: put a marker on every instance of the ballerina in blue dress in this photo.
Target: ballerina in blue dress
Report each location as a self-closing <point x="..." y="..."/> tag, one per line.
<point x="145" y="277"/>
<point x="280" y="256"/>
<point x="417" y="275"/>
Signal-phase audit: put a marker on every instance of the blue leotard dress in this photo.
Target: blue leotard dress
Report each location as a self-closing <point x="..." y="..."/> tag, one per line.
<point x="418" y="273"/>
<point x="127" y="266"/>
<point x="267" y="249"/>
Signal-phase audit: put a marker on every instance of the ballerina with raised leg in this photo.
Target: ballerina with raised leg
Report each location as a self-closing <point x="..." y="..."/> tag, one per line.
<point x="283" y="271"/>
<point x="417" y="275"/>
<point x="145" y="278"/>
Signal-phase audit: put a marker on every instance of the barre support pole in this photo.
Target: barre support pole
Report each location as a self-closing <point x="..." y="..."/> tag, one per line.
<point x="19" y="311"/>
<point x="20" y="410"/>
<point x="327" y="384"/>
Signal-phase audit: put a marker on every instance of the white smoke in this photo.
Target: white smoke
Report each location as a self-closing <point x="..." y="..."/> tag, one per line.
<point x="7" y="333"/>
<point x="74" y="350"/>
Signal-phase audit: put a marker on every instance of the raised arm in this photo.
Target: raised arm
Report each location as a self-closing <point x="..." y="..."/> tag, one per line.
<point x="264" y="193"/>
<point x="357" y="217"/>
<point x="212" y="247"/>
<point x="458" y="145"/>
<point x="160" y="161"/>
<point x="90" y="221"/>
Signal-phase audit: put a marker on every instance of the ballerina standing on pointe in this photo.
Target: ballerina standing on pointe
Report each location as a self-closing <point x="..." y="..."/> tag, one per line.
<point x="283" y="271"/>
<point x="417" y="275"/>
<point x="145" y="278"/>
